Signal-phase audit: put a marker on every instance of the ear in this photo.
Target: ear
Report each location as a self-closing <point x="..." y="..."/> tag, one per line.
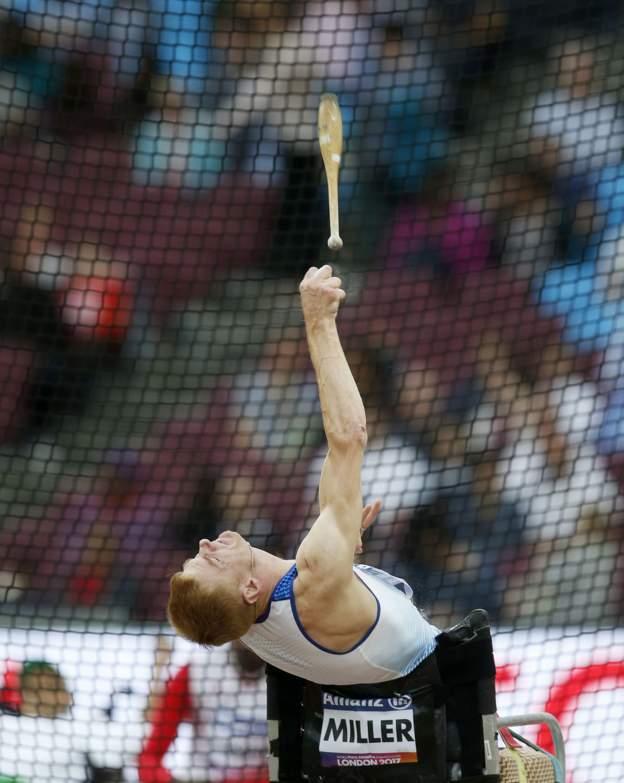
<point x="250" y="591"/>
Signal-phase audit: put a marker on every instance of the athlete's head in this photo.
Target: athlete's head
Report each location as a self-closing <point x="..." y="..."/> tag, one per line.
<point x="212" y="600"/>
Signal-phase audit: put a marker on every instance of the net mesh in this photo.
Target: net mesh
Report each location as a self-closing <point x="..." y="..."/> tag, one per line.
<point x="161" y="194"/>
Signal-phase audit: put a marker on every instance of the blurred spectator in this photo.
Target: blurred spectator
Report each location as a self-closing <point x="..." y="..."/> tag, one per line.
<point x="397" y="116"/>
<point x="182" y="40"/>
<point x="34" y="79"/>
<point x="490" y="332"/>
<point x="393" y="469"/>
<point x="173" y="144"/>
<point x="473" y="355"/>
<point x="545" y="589"/>
<point x="177" y="143"/>
<point x="577" y="128"/>
<point x="68" y="556"/>
<point x="555" y="506"/>
<point x="74" y="304"/>
<point x="328" y="47"/>
<point x="40" y="742"/>
<point x="587" y="292"/>
<point x="36" y="696"/>
<point x="112" y="539"/>
<point x="16" y="370"/>
<point x="178" y="33"/>
<point x="439" y="232"/>
<point x="34" y="688"/>
<point x="276" y="404"/>
<point x="459" y="546"/>
<point x="475" y="40"/>
<point x="222" y="693"/>
<point x="327" y="43"/>
<point x="30" y="315"/>
<point x="458" y="333"/>
<point x="527" y="219"/>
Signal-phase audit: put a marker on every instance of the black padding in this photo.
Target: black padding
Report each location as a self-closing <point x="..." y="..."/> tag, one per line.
<point x="466" y="662"/>
<point x="425" y="687"/>
<point x="285" y="705"/>
<point x="451" y="691"/>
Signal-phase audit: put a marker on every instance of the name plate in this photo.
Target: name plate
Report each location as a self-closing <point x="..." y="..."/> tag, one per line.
<point x="367" y="732"/>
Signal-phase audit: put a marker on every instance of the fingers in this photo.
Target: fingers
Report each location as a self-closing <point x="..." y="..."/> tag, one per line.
<point x="322" y="279"/>
<point x="370" y="513"/>
<point x="324" y="273"/>
<point x="321" y="293"/>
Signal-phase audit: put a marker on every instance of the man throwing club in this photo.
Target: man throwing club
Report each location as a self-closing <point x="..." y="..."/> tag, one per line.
<point x="319" y="617"/>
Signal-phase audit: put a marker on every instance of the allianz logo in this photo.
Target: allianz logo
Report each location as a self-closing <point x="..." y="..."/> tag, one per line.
<point x="400" y="702"/>
<point x="394" y="703"/>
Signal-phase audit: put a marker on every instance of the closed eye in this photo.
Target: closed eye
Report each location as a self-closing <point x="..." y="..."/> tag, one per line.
<point x="213" y="560"/>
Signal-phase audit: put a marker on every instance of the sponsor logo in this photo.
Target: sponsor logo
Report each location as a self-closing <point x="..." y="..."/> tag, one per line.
<point x="400" y="702"/>
<point x="394" y="703"/>
<point x="330" y="700"/>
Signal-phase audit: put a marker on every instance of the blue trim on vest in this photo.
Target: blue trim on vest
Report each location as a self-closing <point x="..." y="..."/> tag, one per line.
<point x="284" y="587"/>
<point x="281" y="592"/>
<point x="419" y="658"/>
<point x="293" y="606"/>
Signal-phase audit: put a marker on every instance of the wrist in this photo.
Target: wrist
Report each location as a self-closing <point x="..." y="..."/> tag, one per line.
<point x="320" y="324"/>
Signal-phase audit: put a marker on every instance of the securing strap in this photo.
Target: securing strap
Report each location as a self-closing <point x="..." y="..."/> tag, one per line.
<point x="523" y="762"/>
<point x="520" y="768"/>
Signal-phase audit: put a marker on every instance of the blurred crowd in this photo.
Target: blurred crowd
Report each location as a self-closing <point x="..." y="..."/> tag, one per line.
<point x="203" y="718"/>
<point x="162" y="192"/>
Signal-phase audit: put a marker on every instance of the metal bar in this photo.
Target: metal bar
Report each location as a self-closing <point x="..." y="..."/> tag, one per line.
<point x="539" y="718"/>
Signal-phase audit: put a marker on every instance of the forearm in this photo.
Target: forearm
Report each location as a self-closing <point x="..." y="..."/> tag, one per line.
<point x="344" y="419"/>
<point x="334" y="536"/>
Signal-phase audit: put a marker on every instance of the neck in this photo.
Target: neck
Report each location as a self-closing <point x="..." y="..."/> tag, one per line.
<point x="269" y="569"/>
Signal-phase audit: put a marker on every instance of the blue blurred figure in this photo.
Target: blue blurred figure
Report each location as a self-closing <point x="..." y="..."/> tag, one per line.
<point x="177" y="31"/>
<point x="587" y="292"/>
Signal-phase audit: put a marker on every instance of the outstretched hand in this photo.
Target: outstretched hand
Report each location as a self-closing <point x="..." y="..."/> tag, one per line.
<point x="370" y="513"/>
<point x="321" y="294"/>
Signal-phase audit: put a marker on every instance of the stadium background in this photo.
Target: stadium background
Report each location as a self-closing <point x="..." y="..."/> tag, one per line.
<point x="162" y="193"/>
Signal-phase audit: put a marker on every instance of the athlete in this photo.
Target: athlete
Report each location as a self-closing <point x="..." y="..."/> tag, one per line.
<point x="318" y="617"/>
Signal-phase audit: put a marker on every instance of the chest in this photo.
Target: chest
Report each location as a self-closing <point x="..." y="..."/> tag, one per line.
<point x="339" y="620"/>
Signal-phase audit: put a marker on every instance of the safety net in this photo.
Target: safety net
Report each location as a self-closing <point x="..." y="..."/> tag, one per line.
<point x="162" y="193"/>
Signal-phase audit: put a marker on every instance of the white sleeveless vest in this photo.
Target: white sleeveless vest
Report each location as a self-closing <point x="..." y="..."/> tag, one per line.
<point x="397" y="642"/>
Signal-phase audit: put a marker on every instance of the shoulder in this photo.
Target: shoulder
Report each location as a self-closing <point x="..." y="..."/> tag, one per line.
<point x="325" y="588"/>
<point x="318" y="570"/>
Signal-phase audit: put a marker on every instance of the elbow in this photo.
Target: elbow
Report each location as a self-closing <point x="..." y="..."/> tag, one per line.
<point x="352" y="437"/>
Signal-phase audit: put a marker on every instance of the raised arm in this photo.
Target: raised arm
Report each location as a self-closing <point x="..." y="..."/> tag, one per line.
<point x="329" y="547"/>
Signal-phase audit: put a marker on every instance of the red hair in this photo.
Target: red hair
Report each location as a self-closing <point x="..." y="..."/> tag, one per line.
<point x="207" y="616"/>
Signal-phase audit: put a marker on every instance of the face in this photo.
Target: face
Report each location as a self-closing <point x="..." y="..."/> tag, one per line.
<point x="229" y="558"/>
<point x="47" y="694"/>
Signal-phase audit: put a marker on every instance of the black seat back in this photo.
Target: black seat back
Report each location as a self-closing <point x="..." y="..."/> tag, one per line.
<point x="443" y="711"/>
